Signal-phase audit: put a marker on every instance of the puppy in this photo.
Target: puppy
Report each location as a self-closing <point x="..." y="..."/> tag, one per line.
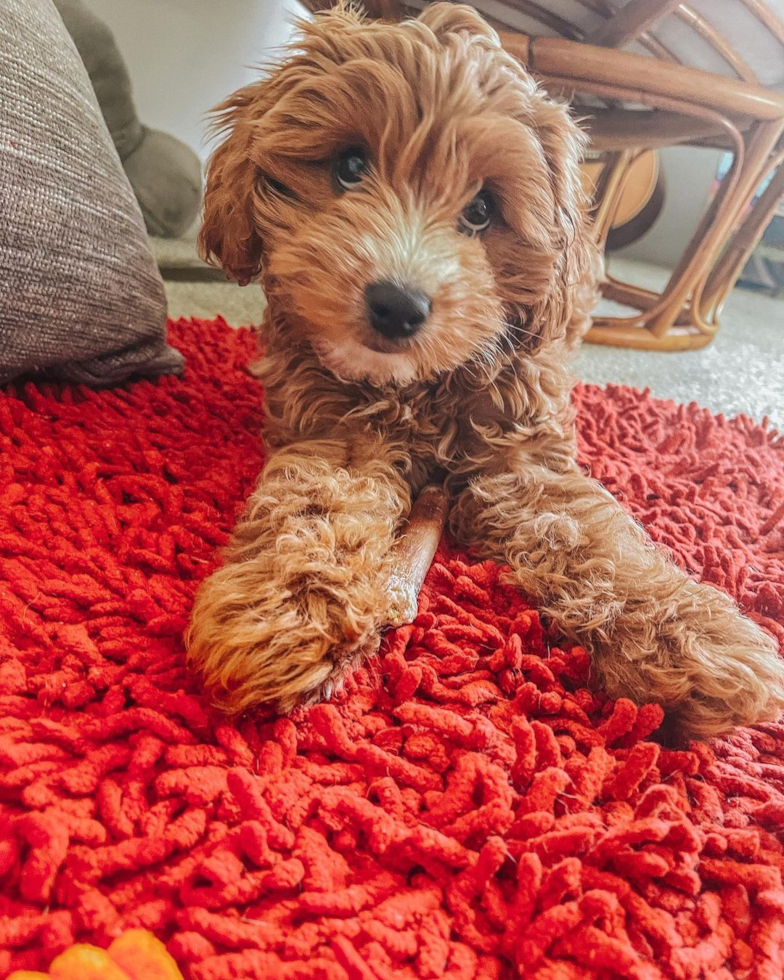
<point x="411" y="203"/>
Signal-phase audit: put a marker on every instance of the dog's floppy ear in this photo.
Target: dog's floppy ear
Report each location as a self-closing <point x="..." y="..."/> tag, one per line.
<point x="563" y="143"/>
<point x="456" y="18"/>
<point x="228" y="235"/>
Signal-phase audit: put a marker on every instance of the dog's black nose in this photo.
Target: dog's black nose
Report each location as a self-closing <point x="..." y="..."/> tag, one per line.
<point x="396" y="311"/>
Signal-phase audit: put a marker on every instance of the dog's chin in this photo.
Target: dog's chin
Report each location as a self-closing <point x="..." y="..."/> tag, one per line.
<point x="379" y="365"/>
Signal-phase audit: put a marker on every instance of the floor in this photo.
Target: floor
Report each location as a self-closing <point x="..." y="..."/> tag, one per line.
<point x="741" y="372"/>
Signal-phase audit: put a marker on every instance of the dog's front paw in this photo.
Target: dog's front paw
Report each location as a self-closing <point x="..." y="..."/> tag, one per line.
<point x="256" y="643"/>
<point x="711" y="668"/>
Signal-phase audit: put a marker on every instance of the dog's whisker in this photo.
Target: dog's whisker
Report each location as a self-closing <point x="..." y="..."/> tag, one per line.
<point x="519" y="328"/>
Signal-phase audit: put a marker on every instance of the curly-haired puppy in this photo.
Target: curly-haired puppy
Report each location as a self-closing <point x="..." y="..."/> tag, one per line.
<point x="411" y="203"/>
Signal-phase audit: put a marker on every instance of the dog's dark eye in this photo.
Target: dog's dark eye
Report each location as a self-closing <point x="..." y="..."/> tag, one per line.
<point x="477" y="215"/>
<point x="351" y="167"/>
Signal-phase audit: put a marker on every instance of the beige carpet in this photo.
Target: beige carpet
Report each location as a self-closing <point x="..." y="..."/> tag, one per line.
<point x="741" y="372"/>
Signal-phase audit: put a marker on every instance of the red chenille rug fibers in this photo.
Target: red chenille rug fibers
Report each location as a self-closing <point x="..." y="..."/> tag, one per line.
<point x="468" y="809"/>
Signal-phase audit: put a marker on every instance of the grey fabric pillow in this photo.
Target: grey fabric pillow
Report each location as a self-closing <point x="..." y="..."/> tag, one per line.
<point x="80" y="295"/>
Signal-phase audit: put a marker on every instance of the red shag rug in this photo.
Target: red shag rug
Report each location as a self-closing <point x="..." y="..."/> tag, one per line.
<point x="468" y="810"/>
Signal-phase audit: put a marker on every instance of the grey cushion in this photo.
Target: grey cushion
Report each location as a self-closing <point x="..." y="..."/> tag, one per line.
<point x="80" y="294"/>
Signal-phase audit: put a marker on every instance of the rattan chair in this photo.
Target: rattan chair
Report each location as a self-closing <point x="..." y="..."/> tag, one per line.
<point x="648" y="74"/>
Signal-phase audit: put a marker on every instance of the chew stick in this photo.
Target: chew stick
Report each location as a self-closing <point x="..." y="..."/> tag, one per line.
<point x="414" y="552"/>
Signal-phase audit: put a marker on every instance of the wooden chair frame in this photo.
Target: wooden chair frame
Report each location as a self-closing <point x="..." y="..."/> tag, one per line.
<point x="739" y="116"/>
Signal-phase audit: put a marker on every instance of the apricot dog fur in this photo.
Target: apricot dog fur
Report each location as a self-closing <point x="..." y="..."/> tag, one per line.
<point x="422" y="159"/>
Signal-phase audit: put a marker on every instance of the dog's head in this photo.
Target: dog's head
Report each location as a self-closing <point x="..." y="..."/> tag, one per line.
<point x="410" y="197"/>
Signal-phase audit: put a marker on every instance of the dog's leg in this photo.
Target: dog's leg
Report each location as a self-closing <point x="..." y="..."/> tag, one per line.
<point x="655" y="634"/>
<point x="305" y="586"/>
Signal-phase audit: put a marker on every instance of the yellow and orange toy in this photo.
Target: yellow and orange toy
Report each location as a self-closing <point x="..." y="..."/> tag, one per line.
<point x="135" y="955"/>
